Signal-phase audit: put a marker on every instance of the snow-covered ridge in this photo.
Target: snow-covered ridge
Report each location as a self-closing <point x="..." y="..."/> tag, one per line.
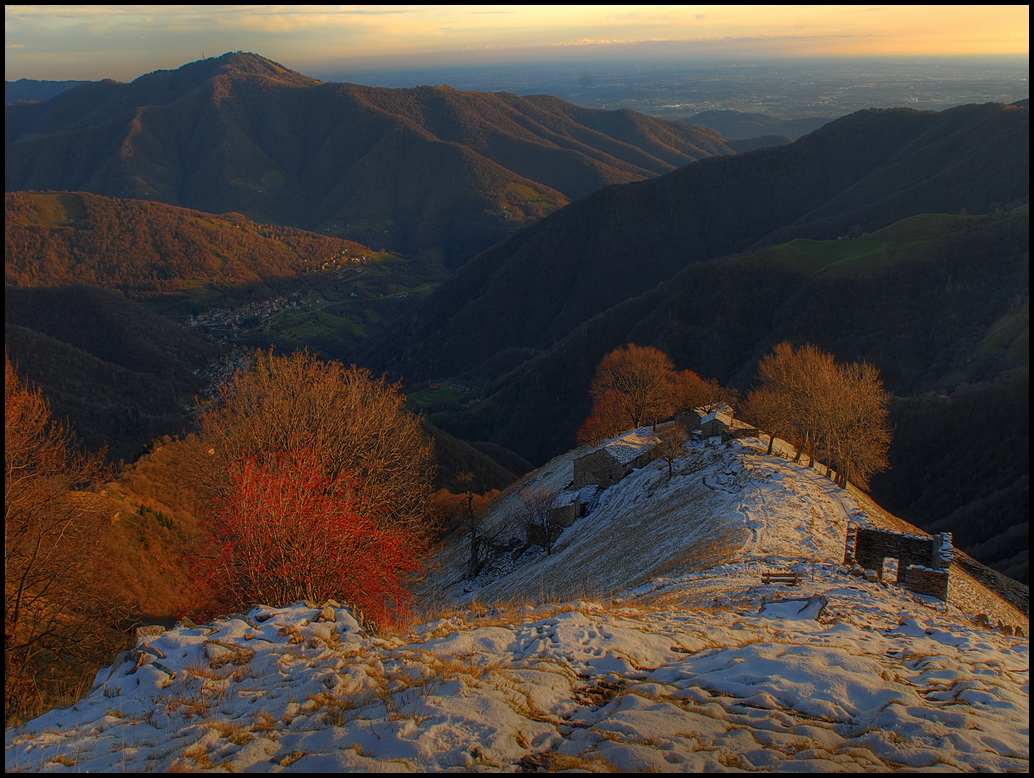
<point x="725" y="502"/>
<point x="659" y="647"/>
<point x="880" y="681"/>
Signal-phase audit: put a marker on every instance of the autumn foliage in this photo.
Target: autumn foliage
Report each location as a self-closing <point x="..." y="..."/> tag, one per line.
<point x="357" y="422"/>
<point x="58" y="605"/>
<point x="832" y="411"/>
<point x="636" y="385"/>
<point x="148" y="248"/>
<point x="287" y="530"/>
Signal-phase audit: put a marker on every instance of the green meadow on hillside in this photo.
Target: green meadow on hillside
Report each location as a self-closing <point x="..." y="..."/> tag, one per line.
<point x="916" y="238"/>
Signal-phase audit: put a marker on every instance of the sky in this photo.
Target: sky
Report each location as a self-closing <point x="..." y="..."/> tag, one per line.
<point x="90" y="42"/>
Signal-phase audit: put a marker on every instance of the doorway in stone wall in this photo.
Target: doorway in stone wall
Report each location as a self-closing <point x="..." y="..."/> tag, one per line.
<point x="889" y="571"/>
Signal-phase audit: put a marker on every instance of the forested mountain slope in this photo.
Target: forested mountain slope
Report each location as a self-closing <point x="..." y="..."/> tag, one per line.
<point x="856" y="174"/>
<point x="938" y="303"/>
<point x="429" y="169"/>
<point x="147" y="249"/>
<point x="117" y="373"/>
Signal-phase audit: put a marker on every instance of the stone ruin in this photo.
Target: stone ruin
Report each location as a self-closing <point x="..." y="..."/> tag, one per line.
<point x="923" y="563"/>
<point x="601" y="467"/>
<point x="607" y="464"/>
<point x="717" y="423"/>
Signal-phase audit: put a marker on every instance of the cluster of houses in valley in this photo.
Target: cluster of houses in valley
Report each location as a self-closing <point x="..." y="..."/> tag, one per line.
<point x="338" y="261"/>
<point x="249" y="316"/>
<point x="256" y="315"/>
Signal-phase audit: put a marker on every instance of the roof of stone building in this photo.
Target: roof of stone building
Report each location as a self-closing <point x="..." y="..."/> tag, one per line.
<point x="628" y="447"/>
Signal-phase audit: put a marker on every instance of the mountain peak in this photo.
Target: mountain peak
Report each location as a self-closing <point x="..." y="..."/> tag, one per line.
<point x="232" y="63"/>
<point x="249" y="63"/>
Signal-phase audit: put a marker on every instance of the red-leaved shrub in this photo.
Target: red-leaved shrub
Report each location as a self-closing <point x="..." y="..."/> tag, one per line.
<point x="287" y="531"/>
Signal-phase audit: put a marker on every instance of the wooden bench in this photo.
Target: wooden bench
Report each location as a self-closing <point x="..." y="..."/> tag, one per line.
<point x="784" y="578"/>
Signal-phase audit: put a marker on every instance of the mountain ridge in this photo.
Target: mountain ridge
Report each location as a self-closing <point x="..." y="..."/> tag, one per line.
<point x="149" y="249"/>
<point x="722" y="503"/>
<point x="858" y="173"/>
<point x="428" y="169"/>
<point x="937" y="303"/>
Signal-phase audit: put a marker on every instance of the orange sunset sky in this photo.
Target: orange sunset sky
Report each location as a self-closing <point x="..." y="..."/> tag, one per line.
<point x="123" y="41"/>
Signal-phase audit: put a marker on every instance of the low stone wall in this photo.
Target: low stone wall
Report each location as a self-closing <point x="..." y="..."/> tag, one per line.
<point x="924" y="580"/>
<point x="537" y="535"/>
<point x="739" y="432"/>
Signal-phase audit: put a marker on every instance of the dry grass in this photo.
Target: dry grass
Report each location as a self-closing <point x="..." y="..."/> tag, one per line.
<point x="264" y="724"/>
<point x="723" y="542"/>
<point x="552" y="762"/>
<point x="335" y="710"/>
<point x="233" y="733"/>
<point x="195" y="702"/>
<point x="289" y="759"/>
<point x="199" y="754"/>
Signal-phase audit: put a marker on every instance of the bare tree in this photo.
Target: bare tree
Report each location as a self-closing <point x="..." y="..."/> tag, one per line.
<point x="638" y="379"/>
<point x="858" y="436"/>
<point x="481" y="543"/>
<point x="535" y="515"/>
<point x="58" y="613"/>
<point x="689" y="391"/>
<point x="357" y="423"/>
<point x="766" y="410"/>
<point x="802" y="379"/>
<point x="672" y="445"/>
<point x="607" y="418"/>
<point x="837" y="410"/>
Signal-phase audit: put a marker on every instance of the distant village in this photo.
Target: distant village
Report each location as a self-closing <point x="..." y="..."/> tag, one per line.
<point x="226" y="325"/>
<point x="250" y="316"/>
<point x="255" y="316"/>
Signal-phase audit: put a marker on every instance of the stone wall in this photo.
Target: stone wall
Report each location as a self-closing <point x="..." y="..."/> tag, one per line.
<point x="536" y="534"/>
<point x="872" y="546"/>
<point x="739" y="432"/>
<point x="923" y="562"/>
<point x="924" y="580"/>
<point x="597" y="467"/>
<point x="690" y="420"/>
<point x="563" y="515"/>
<point x="713" y="427"/>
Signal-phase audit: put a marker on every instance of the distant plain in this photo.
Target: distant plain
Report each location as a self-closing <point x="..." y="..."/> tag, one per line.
<point x="784" y="89"/>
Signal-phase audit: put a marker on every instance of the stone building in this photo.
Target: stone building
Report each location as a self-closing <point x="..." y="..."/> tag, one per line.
<point x="714" y="424"/>
<point x="922" y="562"/>
<point x="718" y="423"/>
<point x="607" y="464"/>
<point x="566" y="508"/>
